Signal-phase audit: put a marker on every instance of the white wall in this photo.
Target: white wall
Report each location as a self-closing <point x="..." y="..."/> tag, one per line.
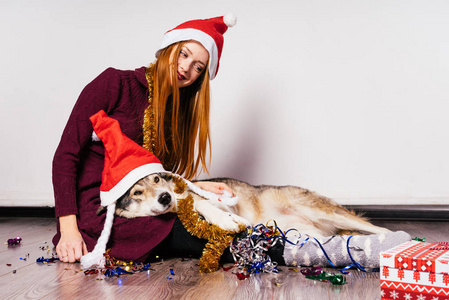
<point x="348" y="98"/>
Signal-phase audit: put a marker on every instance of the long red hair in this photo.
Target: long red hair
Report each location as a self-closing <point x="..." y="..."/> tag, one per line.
<point x="181" y="116"/>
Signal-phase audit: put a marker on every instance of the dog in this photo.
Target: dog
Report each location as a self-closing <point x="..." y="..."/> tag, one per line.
<point x="290" y="207"/>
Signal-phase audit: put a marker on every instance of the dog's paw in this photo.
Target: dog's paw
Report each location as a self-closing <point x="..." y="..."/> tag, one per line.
<point x="231" y="222"/>
<point x="225" y="220"/>
<point x="240" y="220"/>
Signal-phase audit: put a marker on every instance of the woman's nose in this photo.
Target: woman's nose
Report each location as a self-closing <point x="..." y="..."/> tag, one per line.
<point x="184" y="65"/>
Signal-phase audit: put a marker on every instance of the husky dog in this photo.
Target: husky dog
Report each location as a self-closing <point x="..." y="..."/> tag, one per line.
<point x="289" y="206"/>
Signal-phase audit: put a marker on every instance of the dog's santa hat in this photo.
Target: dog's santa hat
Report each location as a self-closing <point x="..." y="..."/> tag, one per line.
<point x="125" y="163"/>
<point x="208" y="32"/>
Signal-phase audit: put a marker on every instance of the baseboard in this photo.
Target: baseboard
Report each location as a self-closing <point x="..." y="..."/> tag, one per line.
<point x="374" y="212"/>
<point x="403" y="212"/>
<point x="27" y="211"/>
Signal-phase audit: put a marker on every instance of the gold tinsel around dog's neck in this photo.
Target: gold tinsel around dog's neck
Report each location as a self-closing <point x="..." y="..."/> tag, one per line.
<point x="218" y="238"/>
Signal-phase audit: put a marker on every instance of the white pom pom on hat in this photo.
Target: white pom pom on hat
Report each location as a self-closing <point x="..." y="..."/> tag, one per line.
<point x="208" y="32"/>
<point x="230" y="20"/>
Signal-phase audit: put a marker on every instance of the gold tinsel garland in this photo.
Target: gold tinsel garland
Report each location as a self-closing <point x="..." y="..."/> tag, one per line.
<point x="218" y="238"/>
<point x="149" y="130"/>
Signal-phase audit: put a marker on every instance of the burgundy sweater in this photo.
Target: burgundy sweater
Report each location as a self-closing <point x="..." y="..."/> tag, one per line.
<point x="78" y="164"/>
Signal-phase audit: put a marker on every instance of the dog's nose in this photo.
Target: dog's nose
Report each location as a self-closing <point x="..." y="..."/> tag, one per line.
<point x="165" y="198"/>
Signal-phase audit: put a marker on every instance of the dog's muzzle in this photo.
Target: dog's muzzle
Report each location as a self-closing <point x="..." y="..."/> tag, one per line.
<point x="164" y="199"/>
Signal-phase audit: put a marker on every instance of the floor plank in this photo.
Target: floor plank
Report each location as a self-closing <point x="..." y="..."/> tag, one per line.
<point x="59" y="280"/>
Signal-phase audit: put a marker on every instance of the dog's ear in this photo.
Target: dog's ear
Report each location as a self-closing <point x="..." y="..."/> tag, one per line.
<point x="124" y="201"/>
<point x="121" y="202"/>
<point x="166" y="176"/>
<point x="101" y="210"/>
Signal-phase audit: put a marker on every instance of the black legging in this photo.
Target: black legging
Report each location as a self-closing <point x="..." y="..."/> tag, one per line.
<point x="180" y="243"/>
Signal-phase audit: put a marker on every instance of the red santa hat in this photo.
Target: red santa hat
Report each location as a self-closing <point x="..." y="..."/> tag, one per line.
<point x="208" y="32"/>
<point x="125" y="163"/>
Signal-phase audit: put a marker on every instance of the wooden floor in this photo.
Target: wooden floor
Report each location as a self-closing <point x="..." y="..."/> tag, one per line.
<point x="22" y="278"/>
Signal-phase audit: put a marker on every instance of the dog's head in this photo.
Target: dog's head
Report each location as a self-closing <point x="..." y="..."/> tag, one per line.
<point x="150" y="196"/>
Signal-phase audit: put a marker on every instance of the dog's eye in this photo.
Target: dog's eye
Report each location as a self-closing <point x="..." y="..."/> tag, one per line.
<point x="156" y="179"/>
<point x="137" y="193"/>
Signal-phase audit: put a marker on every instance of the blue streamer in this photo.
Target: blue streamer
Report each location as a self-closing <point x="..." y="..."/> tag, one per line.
<point x="116" y="272"/>
<point x="342" y="270"/>
<point x="356" y="264"/>
<point x="44" y="260"/>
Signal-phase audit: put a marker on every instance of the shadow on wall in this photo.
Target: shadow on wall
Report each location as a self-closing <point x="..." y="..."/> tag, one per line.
<point x="252" y="133"/>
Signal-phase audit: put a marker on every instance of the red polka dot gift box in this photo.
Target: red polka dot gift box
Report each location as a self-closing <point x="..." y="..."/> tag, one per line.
<point x="415" y="271"/>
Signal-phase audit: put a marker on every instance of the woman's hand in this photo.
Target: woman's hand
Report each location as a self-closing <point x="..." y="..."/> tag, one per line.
<point x="214" y="187"/>
<point x="71" y="245"/>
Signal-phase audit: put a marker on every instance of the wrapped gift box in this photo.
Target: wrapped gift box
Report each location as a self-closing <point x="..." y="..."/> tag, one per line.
<point x="415" y="271"/>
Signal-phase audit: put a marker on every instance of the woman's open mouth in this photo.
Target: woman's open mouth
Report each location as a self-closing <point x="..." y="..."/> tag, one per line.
<point x="181" y="77"/>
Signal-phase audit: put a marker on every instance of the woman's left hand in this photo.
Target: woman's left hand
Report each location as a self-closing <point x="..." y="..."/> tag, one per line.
<point x="214" y="187"/>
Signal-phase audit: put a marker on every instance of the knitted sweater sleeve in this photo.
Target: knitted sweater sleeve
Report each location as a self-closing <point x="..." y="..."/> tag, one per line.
<point x="100" y="94"/>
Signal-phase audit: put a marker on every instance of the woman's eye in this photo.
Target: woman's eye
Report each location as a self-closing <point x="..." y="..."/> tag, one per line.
<point x="183" y="54"/>
<point x="199" y="69"/>
<point x="156" y="179"/>
<point x="137" y="193"/>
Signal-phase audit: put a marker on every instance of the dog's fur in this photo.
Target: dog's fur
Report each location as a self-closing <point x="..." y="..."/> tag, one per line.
<point x="289" y="206"/>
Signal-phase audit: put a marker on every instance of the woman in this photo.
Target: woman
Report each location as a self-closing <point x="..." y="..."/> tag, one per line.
<point x="165" y="108"/>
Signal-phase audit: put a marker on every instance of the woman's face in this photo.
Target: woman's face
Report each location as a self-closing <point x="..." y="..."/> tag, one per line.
<point x="192" y="62"/>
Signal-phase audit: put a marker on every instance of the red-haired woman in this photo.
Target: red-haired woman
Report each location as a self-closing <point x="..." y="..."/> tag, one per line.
<point x="165" y="108"/>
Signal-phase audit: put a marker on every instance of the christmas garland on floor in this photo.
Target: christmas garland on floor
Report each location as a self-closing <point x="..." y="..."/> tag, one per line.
<point x="218" y="238"/>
